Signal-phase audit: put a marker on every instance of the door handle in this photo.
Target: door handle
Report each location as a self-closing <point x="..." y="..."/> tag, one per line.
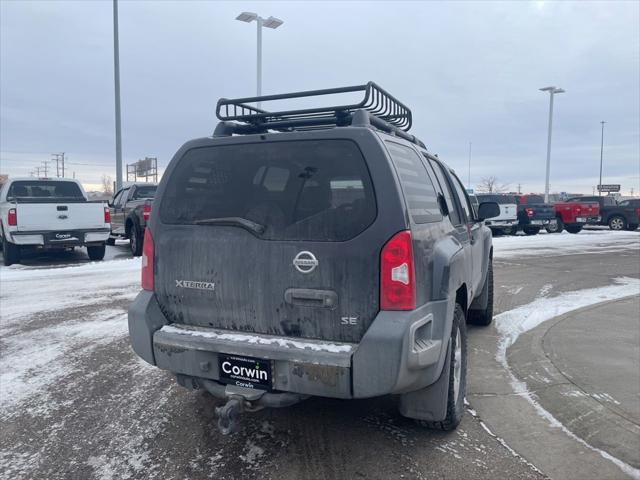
<point x="309" y="297"/>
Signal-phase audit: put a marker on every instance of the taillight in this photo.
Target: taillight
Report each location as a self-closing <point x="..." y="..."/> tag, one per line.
<point x="12" y="217"/>
<point x="638" y="212"/>
<point x="397" y="274"/>
<point x="107" y="215"/>
<point x="146" y="212"/>
<point x="529" y="212"/>
<point x="147" y="261"/>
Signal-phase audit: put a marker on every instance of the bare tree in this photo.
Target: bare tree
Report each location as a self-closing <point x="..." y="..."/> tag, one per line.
<point x="107" y="184"/>
<point x="491" y="185"/>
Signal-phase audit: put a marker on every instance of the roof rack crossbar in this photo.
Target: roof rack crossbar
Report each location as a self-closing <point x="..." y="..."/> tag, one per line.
<point x="376" y="101"/>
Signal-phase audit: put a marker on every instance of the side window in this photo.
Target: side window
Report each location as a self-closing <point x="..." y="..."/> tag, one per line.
<point x="464" y="199"/>
<point x="117" y="198"/>
<point x="454" y="215"/>
<point x="123" y="197"/>
<point x="420" y="194"/>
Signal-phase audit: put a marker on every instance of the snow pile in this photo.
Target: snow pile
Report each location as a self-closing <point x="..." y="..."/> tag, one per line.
<point x="587" y="241"/>
<point x="514" y="322"/>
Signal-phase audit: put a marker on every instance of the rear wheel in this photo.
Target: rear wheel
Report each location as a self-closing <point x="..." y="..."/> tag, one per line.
<point x="617" y="223"/>
<point x="484" y="317"/>
<point x="457" y="375"/>
<point x="574" y="228"/>
<point x="556" y="227"/>
<point x="513" y="230"/>
<point x="10" y="252"/>
<point x="96" y="252"/>
<point x="111" y="241"/>
<point x="632" y="226"/>
<point x="135" y="240"/>
<point x="531" y="230"/>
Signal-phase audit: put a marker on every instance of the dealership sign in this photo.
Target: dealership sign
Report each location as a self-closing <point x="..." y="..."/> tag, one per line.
<point x="609" y="188"/>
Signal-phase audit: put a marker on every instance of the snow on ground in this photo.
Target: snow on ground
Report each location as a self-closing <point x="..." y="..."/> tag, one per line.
<point x="554" y="244"/>
<point x="511" y="324"/>
<point x="27" y="291"/>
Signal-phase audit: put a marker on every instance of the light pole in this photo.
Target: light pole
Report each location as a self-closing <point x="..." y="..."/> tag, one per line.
<point x="601" y="151"/>
<point x="552" y="91"/>
<point x="116" y="80"/>
<point x="271" y="22"/>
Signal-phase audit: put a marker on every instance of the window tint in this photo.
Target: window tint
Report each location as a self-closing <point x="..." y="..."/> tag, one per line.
<point x="123" y="198"/>
<point x="609" y="201"/>
<point x="500" y="199"/>
<point x="422" y="199"/>
<point x="462" y="196"/>
<point x="146" y="191"/>
<point x="38" y="189"/>
<point x="454" y="216"/>
<point x="302" y="190"/>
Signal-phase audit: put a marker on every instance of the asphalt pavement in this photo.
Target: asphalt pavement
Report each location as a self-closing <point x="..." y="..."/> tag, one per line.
<point x="109" y="415"/>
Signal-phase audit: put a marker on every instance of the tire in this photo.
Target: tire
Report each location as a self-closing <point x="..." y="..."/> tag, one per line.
<point x="531" y="230"/>
<point x="514" y="230"/>
<point x="632" y="226"/>
<point x="135" y="240"/>
<point x="496" y="232"/>
<point x="617" y="222"/>
<point x="457" y="375"/>
<point x="557" y="228"/>
<point x="111" y="241"/>
<point x="96" y="253"/>
<point x="574" y="228"/>
<point x="10" y="252"/>
<point x="484" y="317"/>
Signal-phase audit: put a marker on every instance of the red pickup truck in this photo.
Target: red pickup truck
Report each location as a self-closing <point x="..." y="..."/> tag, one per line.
<point x="574" y="215"/>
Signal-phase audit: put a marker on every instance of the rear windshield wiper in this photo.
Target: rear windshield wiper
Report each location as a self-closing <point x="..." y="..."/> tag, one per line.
<point x="234" y="222"/>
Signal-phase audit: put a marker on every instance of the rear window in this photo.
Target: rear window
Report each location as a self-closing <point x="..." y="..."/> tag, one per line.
<point x="43" y="190"/>
<point x="146" y="191"/>
<point x="421" y="197"/>
<point x="500" y="199"/>
<point x="303" y="190"/>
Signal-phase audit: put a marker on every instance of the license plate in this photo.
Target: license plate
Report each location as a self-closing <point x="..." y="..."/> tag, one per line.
<point x="245" y="372"/>
<point x="581" y="220"/>
<point x="536" y="222"/>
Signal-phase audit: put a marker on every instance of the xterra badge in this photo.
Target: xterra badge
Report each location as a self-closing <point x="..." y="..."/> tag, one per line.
<point x="305" y="262"/>
<point x="195" y="285"/>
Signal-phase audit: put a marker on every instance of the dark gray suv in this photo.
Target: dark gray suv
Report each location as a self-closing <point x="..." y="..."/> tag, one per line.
<point x="318" y="252"/>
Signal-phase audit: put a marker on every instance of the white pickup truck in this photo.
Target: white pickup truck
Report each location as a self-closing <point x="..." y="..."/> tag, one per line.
<point x="50" y="214"/>
<point x="507" y="222"/>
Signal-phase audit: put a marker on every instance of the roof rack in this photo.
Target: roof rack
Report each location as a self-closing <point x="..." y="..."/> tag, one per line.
<point x="378" y="108"/>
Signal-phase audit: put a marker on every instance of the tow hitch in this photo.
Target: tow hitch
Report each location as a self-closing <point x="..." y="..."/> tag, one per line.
<point x="240" y="400"/>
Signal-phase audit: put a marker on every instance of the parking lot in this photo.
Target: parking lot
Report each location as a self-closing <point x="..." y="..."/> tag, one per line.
<point x="553" y="386"/>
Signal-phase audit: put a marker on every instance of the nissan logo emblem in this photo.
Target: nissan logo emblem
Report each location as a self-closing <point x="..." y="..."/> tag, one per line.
<point x="305" y="262"/>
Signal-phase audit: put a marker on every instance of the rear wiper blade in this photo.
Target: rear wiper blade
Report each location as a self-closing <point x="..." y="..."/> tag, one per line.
<point x="234" y="222"/>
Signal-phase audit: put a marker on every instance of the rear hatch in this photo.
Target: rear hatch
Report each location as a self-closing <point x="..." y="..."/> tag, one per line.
<point x="270" y="237"/>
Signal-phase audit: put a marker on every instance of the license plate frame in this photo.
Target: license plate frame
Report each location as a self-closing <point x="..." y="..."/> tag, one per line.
<point x="244" y="371"/>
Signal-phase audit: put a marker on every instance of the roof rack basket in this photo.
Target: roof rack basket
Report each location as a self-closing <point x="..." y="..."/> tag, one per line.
<point x="377" y="102"/>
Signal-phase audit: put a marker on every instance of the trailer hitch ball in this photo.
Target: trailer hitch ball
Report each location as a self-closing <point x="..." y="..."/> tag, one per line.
<point x="228" y="415"/>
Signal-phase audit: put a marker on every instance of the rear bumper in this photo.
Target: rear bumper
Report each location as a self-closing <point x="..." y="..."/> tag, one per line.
<point x="400" y="352"/>
<point x="64" y="239"/>
<point x="501" y="223"/>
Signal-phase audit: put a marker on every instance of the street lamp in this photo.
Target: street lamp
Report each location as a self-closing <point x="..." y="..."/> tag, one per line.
<point x="601" y="150"/>
<point x="271" y="22"/>
<point x="552" y="91"/>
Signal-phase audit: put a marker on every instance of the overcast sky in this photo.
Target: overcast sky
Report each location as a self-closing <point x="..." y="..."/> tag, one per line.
<point x="470" y="72"/>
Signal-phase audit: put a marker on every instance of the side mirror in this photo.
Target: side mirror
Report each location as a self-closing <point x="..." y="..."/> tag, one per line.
<point x="442" y="203"/>
<point x="488" y="210"/>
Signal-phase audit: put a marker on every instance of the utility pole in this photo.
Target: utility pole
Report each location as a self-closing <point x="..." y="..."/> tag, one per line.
<point x="45" y="167"/>
<point x="601" y="151"/>
<point x="552" y="91"/>
<point x="59" y="159"/>
<point x="38" y="172"/>
<point x="519" y="188"/>
<point x="469" y="176"/>
<point x="116" y="80"/>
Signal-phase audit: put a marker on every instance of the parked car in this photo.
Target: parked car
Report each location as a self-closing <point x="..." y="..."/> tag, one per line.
<point x="507" y="222"/>
<point x="617" y="217"/>
<point x="573" y="215"/>
<point x="341" y="261"/>
<point x="50" y="214"/>
<point x="534" y="213"/>
<point x="130" y="212"/>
